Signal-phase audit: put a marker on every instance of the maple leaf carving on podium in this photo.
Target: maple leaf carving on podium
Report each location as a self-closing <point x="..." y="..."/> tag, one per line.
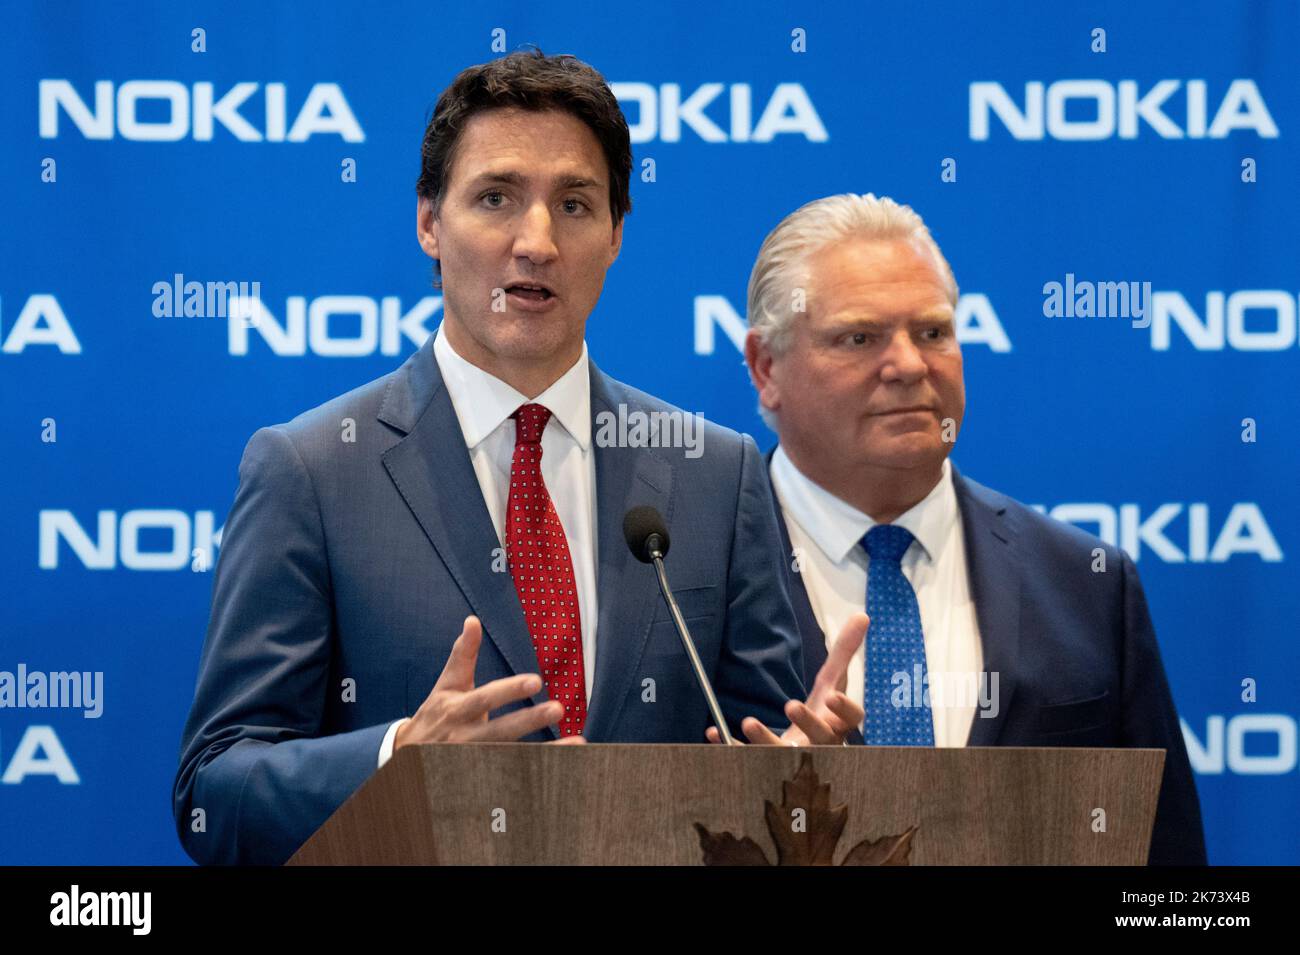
<point x="816" y="843"/>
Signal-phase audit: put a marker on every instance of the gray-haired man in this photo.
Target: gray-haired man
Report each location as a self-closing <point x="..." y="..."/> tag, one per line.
<point x="990" y="613"/>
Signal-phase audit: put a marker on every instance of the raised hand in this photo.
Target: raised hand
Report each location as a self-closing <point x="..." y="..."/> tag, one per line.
<point x="455" y="711"/>
<point x="828" y="715"/>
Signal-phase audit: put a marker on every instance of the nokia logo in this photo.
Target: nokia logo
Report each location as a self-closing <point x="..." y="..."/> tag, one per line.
<point x="1099" y="109"/>
<point x="659" y="113"/>
<point x="976" y="322"/>
<point x="1242" y="531"/>
<point x="176" y="112"/>
<point x="40" y="322"/>
<point x="1224" y="323"/>
<point x="380" y="325"/>
<point x="1224" y="747"/>
<point x="38" y="753"/>
<point x="189" y="543"/>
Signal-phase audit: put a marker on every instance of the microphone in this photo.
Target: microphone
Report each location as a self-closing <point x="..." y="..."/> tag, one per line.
<point x="647" y="538"/>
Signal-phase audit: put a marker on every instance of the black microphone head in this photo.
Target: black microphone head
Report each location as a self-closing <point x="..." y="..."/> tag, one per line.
<point x="645" y="532"/>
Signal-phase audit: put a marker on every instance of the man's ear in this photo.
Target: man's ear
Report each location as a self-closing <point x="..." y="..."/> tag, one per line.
<point x="618" y="242"/>
<point x="758" y="359"/>
<point x="426" y="228"/>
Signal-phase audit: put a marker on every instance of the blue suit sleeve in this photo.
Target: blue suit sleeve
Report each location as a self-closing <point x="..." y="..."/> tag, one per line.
<point x="761" y="661"/>
<point x="1151" y="721"/>
<point x="256" y="778"/>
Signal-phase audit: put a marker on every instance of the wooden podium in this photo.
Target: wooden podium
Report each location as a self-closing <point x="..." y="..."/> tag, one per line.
<point x="623" y="804"/>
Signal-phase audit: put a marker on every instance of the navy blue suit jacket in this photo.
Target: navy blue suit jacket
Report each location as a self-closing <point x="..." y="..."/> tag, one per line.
<point x="358" y="561"/>
<point x="1075" y="650"/>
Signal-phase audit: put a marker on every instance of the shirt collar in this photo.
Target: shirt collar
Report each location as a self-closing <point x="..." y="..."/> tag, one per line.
<point x="838" y="527"/>
<point x="483" y="401"/>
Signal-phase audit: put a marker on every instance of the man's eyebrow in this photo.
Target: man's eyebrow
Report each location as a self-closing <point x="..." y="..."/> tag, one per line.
<point x="512" y="178"/>
<point x="942" y="314"/>
<point x="851" y="320"/>
<point x="578" y="182"/>
<point x="861" y="320"/>
<point x="509" y="178"/>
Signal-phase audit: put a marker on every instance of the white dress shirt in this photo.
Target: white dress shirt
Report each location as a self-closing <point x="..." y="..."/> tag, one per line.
<point x="483" y="405"/>
<point x="826" y="532"/>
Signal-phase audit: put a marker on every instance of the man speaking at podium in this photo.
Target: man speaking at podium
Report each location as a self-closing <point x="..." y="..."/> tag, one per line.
<point x="1024" y="631"/>
<point x="470" y="485"/>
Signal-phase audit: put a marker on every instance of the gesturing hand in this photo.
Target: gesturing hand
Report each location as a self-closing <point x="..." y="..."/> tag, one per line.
<point x="829" y="714"/>
<point x="457" y="711"/>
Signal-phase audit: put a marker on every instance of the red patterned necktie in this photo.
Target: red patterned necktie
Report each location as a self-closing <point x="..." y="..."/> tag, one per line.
<point x="543" y="572"/>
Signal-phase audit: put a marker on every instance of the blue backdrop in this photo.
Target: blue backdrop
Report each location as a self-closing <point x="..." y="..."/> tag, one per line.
<point x="1036" y="148"/>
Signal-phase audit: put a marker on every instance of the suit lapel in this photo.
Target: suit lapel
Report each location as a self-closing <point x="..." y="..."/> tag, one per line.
<point x="811" y="635"/>
<point x="433" y="472"/>
<point x="810" y="631"/>
<point x="629" y="591"/>
<point x="995" y="587"/>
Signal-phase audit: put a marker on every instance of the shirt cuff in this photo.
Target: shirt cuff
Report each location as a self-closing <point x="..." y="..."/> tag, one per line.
<point x="386" y="747"/>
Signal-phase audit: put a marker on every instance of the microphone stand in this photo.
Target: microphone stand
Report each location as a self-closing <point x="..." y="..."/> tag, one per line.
<point x="656" y="555"/>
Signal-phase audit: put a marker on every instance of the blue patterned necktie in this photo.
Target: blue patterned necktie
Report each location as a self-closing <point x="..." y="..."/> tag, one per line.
<point x="895" y="644"/>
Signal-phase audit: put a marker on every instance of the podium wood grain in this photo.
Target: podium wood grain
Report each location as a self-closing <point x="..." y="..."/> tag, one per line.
<point x="616" y="804"/>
